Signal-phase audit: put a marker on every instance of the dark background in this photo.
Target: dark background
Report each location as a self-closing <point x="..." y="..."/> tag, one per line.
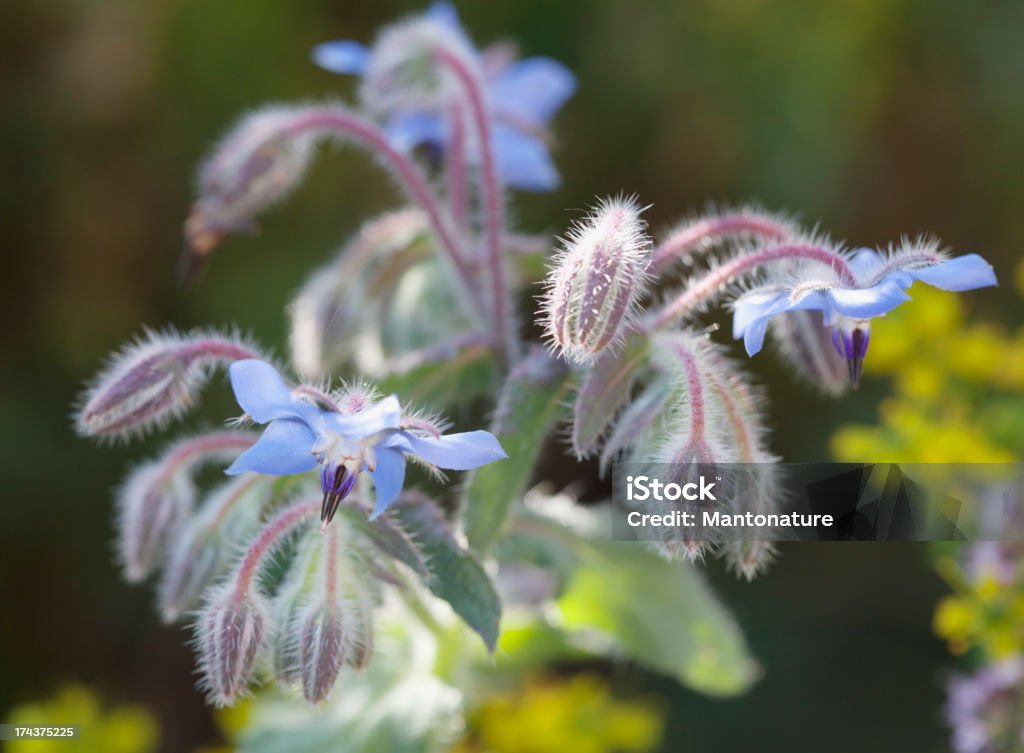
<point x="873" y="117"/>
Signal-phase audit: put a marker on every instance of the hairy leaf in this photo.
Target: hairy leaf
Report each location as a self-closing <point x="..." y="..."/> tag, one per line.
<point x="454" y="574"/>
<point x="530" y="405"/>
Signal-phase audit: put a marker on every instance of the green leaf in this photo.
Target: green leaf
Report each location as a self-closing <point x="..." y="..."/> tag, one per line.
<point x="529" y="406"/>
<point x="605" y="390"/>
<point x="454" y="574"/>
<point x="385" y="535"/>
<point x="660" y="613"/>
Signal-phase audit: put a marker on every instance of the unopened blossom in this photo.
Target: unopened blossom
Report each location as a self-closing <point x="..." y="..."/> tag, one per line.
<point x="344" y="440"/>
<point x="873" y="285"/>
<point x="597" y="281"/>
<point x="523" y="97"/>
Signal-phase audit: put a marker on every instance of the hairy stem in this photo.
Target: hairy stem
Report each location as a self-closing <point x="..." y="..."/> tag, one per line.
<point x="185" y="453"/>
<point x="345" y="124"/>
<point x="456" y="167"/>
<point x="491" y="200"/>
<point x="704" y="288"/>
<point x="710" y="230"/>
<point x="279" y="526"/>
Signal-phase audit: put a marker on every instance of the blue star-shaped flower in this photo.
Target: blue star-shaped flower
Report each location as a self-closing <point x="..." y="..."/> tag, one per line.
<point x="879" y="286"/>
<point x="301" y="436"/>
<point x="523" y="97"/>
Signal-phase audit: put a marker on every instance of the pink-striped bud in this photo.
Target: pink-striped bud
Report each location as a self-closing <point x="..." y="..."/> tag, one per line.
<point x="323" y="648"/>
<point x="597" y="280"/>
<point x="229" y="635"/>
<point x="152" y="507"/>
<point x="152" y="381"/>
<point x="257" y="164"/>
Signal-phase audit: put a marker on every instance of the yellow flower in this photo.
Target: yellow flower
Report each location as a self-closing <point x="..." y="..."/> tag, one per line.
<point x="120" y="729"/>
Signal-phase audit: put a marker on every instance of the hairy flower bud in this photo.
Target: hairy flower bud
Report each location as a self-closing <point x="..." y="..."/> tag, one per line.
<point x="403" y="73"/>
<point x="808" y="346"/>
<point x="597" y="280"/>
<point x="229" y="636"/>
<point x="153" y="381"/>
<point x="257" y="164"/>
<point x="152" y="506"/>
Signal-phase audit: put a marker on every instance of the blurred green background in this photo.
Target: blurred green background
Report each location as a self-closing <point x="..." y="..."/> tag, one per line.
<point x="873" y="117"/>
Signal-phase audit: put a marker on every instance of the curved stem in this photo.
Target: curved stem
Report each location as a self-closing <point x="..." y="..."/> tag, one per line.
<point x="186" y="452"/>
<point x="216" y="347"/>
<point x="279" y="526"/>
<point x="695" y="389"/>
<point x="494" y="221"/>
<point x="710" y="230"/>
<point x="316" y="395"/>
<point x="457" y="168"/>
<point x="706" y="287"/>
<point x="343" y="123"/>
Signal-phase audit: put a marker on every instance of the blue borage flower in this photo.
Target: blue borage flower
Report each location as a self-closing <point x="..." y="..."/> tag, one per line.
<point x="358" y="436"/>
<point x="523" y="96"/>
<point x="878" y="285"/>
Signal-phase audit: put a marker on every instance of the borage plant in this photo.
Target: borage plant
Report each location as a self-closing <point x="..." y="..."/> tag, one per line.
<point x="356" y="593"/>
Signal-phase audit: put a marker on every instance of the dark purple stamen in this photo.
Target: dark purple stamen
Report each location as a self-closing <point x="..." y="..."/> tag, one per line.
<point x="337" y="483"/>
<point x="852" y="346"/>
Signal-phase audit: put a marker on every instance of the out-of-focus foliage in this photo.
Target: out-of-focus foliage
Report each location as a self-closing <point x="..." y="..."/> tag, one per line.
<point x="958" y="387"/>
<point x="579" y="714"/>
<point x="113" y="729"/>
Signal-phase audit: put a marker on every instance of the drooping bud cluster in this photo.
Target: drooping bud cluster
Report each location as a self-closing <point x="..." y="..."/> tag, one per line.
<point x="257" y="165"/>
<point x="152" y="381"/>
<point x="597" y="280"/>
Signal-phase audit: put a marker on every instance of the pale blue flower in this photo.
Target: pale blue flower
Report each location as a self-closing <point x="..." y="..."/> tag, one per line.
<point x="880" y="285"/>
<point x="523" y="97"/>
<point x="301" y="436"/>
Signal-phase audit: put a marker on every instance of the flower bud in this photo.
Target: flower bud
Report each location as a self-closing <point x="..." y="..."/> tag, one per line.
<point x="807" y="345"/>
<point x="597" y="280"/>
<point x="258" y="164"/>
<point x="152" y="507"/>
<point x="152" y="381"/>
<point x="229" y="635"/>
<point x="323" y="651"/>
<point x="403" y="73"/>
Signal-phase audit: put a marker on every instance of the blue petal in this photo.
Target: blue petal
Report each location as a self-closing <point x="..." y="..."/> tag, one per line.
<point x="409" y="130"/>
<point x="285" y="448"/>
<point x="751" y="307"/>
<point x="863" y="303"/>
<point x="342" y="57"/>
<point x="388" y="478"/>
<point x="523" y="160"/>
<point x="532" y="90"/>
<point x="962" y="273"/>
<point x="383" y="415"/>
<point x="455" y="452"/>
<point x="863" y="261"/>
<point x="264" y="395"/>
<point x="444" y="13"/>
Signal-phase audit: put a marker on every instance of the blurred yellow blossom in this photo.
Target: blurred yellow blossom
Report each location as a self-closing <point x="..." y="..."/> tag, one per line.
<point x="553" y="716"/>
<point x="118" y="729"/>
